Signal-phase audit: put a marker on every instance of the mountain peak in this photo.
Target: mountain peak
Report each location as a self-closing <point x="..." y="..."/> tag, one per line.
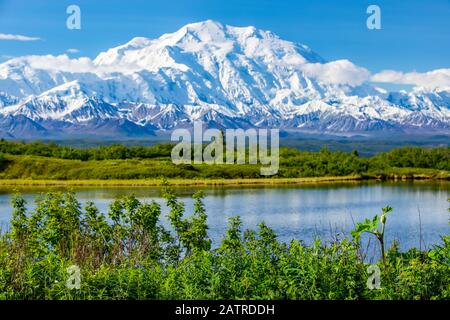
<point x="138" y="42"/>
<point x="204" y="25"/>
<point x="211" y="39"/>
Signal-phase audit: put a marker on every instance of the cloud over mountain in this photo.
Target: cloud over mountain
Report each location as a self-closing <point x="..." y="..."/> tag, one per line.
<point x="337" y="72"/>
<point x="439" y="78"/>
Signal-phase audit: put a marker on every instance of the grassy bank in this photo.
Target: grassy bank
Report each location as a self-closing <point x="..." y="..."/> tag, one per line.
<point x="127" y="254"/>
<point x="209" y="182"/>
<point x="177" y="182"/>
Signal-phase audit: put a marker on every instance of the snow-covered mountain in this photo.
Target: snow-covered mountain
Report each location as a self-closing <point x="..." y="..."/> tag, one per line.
<point x="226" y="76"/>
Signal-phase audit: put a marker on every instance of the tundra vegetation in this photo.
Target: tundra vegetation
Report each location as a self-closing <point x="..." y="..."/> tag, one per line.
<point x="38" y="161"/>
<point x="127" y="253"/>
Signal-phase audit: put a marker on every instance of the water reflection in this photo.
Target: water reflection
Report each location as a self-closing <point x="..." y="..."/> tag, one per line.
<point x="302" y="211"/>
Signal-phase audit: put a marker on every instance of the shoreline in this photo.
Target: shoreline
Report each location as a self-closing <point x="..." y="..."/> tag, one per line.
<point x="206" y="182"/>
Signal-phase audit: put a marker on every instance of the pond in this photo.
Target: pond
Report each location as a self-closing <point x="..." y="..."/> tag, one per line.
<point x="303" y="212"/>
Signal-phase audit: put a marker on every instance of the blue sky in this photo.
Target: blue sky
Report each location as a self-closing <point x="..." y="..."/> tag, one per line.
<point x="415" y="35"/>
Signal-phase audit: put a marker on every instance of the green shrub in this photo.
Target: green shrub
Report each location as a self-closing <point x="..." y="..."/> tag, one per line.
<point x="128" y="254"/>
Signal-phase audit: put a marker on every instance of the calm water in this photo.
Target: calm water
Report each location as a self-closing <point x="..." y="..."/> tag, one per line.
<point x="301" y="212"/>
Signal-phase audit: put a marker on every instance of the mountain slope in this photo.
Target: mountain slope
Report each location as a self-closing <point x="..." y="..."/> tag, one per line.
<point x="226" y="76"/>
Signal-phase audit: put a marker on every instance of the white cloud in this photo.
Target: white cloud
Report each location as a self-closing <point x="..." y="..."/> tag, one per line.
<point x="72" y="50"/>
<point x="17" y="37"/>
<point x="64" y="63"/>
<point x="60" y="63"/>
<point x="432" y="79"/>
<point x="345" y="72"/>
<point x="337" y="72"/>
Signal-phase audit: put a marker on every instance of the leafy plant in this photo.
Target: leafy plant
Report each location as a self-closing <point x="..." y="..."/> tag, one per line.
<point x="376" y="226"/>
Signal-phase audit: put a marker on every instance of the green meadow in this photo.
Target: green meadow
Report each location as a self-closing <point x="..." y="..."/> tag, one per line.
<point x="38" y="161"/>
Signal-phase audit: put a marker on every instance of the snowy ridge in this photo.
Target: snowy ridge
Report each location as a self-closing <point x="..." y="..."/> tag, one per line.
<point x="226" y="76"/>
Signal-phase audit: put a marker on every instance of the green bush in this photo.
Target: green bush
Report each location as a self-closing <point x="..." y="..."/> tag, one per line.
<point x="128" y="254"/>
